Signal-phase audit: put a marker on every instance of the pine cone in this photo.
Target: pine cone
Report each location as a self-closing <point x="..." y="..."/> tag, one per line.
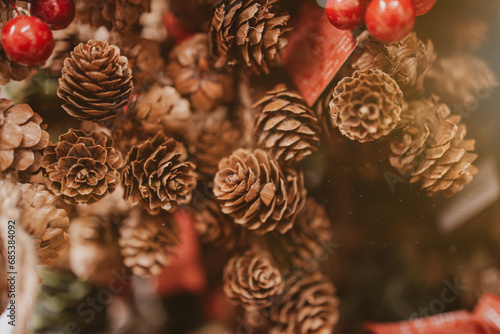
<point x="254" y="191"/>
<point x="366" y="106"/>
<point x="462" y="81"/>
<point x="195" y="76"/>
<point x="90" y="12"/>
<point x="95" y="82"/>
<point x="147" y="242"/>
<point x="158" y="176"/>
<point x="45" y="223"/>
<point x="309" y="306"/>
<point x="82" y="167"/>
<point x="247" y="32"/>
<point x="22" y="139"/>
<point x="253" y="280"/>
<point x="95" y="254"/>
<point x="286" y="127"/>
<point x="124" y="13"/>
<point x="65" y="41"/>
<point x="431" y="148"/>
<point x="406" y="61"/>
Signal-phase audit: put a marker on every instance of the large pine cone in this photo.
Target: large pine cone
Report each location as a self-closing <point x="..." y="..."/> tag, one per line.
<point x="195" y="77"/>
<point x="253" y="280"/>
<point x="366" y="106"/>
<point x="158" y="176"/>
<point x="406" y="61"/>
<point x="286" y="127"/>
<point x="22" y="139"/>
<point x="82" y="167"/>
<point x="44" y="222"/>
<point x="309" y="306"/>
<point x="148" y="242"/>
<point x="431" y="148"/>
<point x="462" y="81"/>
<point x="95" y="82"/>
<point x="253" y="190"/>
<point x="247" y="32"/>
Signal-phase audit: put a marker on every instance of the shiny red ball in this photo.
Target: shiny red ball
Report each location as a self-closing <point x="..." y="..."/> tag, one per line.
<point x="390" y="20"/>
<point x="423" y="6"/>
<point x="346" y="14"/>
<point x="58" y="14"/>
<point x="27" y="40"/>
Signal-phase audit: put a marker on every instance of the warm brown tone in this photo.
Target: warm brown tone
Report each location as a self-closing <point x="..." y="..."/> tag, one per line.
<point x="22" y="139"/>
<point x="253" y="190"/>
<point x="407" y="61"/>
<point x="95" y="82"/>
<point x="65" y="41"/>
<point x="309" y="306"/>
<point x="431" y="148"/>
<point x="195" y="76"/>
<point x="158" y="176"/>
<point x="247" y="32"/>
<point x="148" y="242"/>
<point x="193" y="13"/>
<point x="366" y="106"/>
<point x="286" y="127"/>
<point x="82" y="167"/>
<point x="253" y="280"/>
<point x="45" y="223"/>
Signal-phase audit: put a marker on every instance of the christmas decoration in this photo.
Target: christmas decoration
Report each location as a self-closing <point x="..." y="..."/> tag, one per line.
<point x="366" y="106"/>
<point x="58" y="14"/>
<point x="423" y="6"/>
<point x="346" y="14"/>
<point x="95" y="82"/>
<point x="390" y="20"/>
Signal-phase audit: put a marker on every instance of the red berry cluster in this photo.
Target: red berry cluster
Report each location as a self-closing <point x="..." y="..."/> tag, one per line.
<point x="387" y="20"/>
<point x="28" y="40"/>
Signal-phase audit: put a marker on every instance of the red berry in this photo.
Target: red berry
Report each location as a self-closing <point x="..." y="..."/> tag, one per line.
<point x="27" y="40"/>
<point x="423" y="6"/>
<point x="58" y="14"/>
<point x="346" y="14"/>
<point x="390" y="20"/>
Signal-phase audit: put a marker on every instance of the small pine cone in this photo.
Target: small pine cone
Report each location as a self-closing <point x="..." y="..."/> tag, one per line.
<point x="462" y="81"/>
<point x="195" y="77"/>
<point x="22" y="139"/>
<point x="162" y="109"/>
<point x="95" y="254"/>
<point x="124" y="13"/>
<point x="309" y="306"/>
<point x="406" y="61"/>
<point x="148" y="242"/>
<point x="431" y="148"/>
<point x="253" y="190"/>
<point x="82" y="167"/>
<point x="286" y="127"/>
<point x="65" y="41"/>
<point x="44" y="222"/>
<point x="366" y="106"/>
<point x="95" y="82"/>
<point x="253" y="280"/>
<point x="248" y="32"/>
<point x="144" y="59"/>
<point x="158" y="176"/>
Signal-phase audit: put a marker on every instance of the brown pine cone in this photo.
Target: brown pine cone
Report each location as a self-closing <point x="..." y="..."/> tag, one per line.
<point x="406" y="61"/>
<point x="148" y="242"/>
<point x="95" y="254"/>
<point x="95" y="82"/>
<point x="158" y="176"/>
<point x="309" y="306"/>
<point x="253" y="190"/>
<point x="286" y="127"/>
<point x="195" y="77"/>
<point x="82" y="167"/>
<point x="462" y="81"/>
<point x="366" y="106"/>
<point x="65" y="41"/>
<point x="45" y="223"/>
<point x="253" y="280"/>
<point x="431" y="148"/>
<point x="90" y="12"/>
<point x="247" y="32"/>
<point x="22" y="139"/>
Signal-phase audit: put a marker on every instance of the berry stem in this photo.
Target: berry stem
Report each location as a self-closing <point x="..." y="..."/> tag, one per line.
<point x="13" y="3"/>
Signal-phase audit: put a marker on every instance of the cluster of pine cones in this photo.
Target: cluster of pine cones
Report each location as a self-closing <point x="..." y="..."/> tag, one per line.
<point x="162" y="131"/>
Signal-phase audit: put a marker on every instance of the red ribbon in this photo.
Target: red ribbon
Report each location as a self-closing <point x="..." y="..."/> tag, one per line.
<point x="485" y="319"/>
